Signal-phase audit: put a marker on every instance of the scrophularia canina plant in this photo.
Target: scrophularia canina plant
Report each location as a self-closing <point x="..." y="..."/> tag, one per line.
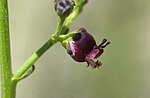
<point x="79" y="44"/>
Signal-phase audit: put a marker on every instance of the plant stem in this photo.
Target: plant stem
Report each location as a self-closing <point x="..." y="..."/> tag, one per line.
<point x="51" y="42"/>
<point x="8" y="88"/>
<point x="77" y="9"/>
<point x="31" y="60"/>
<point x="34" y="58"/>
<point x="59" y="27"/>
<point x="9" y="81"/>
<point x="40" y="52"/>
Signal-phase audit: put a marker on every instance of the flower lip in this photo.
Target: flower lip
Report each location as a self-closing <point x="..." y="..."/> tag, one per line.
<point x="93" y="54"/>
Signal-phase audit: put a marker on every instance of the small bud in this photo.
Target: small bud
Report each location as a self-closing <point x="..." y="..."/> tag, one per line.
<point x="83" y="48"/>
<point x="64" y="7"/>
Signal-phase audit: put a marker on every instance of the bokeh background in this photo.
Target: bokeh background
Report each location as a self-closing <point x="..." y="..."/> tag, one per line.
<point x="126" y="62"/>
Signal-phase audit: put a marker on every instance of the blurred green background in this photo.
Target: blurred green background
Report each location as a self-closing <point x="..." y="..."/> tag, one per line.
<point x="126" y="66"/>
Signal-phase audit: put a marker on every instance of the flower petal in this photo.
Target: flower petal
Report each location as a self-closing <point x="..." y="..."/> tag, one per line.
<point x="76" y="53"/>
<point x="92" y="54"/>
<point x="86" y="42"/>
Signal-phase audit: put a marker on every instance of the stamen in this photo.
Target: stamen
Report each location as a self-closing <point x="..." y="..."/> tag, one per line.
<point x="93" y="64"/>
<point x="103" y="42"/>
<point x="105" y="45"/>
<point x="98" y="64"/>
<point x="87" y="64"/>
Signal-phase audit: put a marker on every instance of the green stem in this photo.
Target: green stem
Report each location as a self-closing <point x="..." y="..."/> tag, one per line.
<point x="28" y="73"/>
<point x="8" y="88"/>
<point x="66" y="38"/>
<point x="9" y="81"/>
<point x="34" y="58"/>
<point x="59" y="27"/>
<point x="77" y="9"/>
<point x="40" y="52"/>
<point x="30" y="61"/>
<point x="51" y="42"/>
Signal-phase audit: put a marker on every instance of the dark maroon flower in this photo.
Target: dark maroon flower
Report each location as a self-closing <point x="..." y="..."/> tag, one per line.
<point x="83" y="48"/>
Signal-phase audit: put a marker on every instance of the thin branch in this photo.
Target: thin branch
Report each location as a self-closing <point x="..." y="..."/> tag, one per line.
<point x="29" y="72"/>
<point x="5" y="57"/>
<point x="76" y="11"/>
<point x="29" y="62"/>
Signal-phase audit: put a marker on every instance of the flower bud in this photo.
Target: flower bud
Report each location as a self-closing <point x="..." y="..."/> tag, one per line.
<point x="83" y="48"/>
<point x="64" y="7"/>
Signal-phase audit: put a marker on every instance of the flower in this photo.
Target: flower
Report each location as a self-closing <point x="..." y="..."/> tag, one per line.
<point x="64" y="7"/>
<point x="83" y="48"/>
